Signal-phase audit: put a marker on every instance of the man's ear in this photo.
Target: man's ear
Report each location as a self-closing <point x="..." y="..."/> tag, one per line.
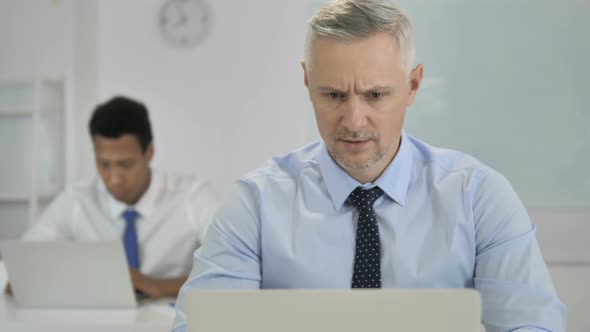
<point x="149" y="152"/>
<point x="305" y="78"/>
<point x="416" y="76"/>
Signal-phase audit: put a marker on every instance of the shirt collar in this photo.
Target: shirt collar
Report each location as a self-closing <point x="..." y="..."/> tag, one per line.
<point x="394" y="181"/>
<point x="145" y="205"/>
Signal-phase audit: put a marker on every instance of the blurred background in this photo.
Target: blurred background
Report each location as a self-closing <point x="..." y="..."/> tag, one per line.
<point x="506" y="81"/>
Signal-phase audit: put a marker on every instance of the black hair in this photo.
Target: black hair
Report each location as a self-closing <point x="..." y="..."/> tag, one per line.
<point x="119" y="116"/>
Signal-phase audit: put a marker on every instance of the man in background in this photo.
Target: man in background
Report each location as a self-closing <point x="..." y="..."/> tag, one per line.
<point x="160" y="217"/>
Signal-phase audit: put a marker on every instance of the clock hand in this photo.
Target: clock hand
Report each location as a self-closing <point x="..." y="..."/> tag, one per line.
<point x="182" y="17"/>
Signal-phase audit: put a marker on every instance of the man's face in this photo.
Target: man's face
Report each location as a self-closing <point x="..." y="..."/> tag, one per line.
<point x="360" y="90"/>
<point x="123" y="166"/>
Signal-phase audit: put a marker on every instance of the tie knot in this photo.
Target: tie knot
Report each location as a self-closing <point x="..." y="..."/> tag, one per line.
<point x="130" y="215"/>
<point x="364" y="198"/>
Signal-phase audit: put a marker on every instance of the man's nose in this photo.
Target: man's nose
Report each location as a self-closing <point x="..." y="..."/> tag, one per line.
<point x="115" y="178"/>
<point x="355" y="114"/>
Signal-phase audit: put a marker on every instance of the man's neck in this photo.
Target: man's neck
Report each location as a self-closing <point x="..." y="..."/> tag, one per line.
<point x="371" y="174"/>
<point x="144" y="188"/>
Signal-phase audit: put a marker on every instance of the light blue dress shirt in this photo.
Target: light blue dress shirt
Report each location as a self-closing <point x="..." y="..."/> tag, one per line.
<point x="445" y="221"/>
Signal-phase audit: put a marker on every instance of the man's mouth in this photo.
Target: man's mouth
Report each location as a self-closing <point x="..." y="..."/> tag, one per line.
<point x="355" y="144"/>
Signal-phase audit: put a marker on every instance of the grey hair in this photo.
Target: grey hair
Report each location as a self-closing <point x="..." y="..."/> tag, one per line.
<point x="357" y="19"/>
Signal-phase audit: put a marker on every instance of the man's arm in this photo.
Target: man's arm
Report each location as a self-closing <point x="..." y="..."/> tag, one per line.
<point x="230" y="254"/>
<point x="154" y="287"/>
<point x="55" y="222"/>
<point x="201" y="204"/>
<point x="510" y="273"/>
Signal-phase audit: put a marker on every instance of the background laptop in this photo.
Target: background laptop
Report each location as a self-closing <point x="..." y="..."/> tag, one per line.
<point x="457" y="310"/>
<point x="68" y="274"/>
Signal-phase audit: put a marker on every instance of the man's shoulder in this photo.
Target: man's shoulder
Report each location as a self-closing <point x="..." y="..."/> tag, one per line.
<point x="84" y="187"/>
<point x="442" y="165"/>
<point x="446" y="160"/>
<point x="178" y="183"/>
<point x="79" y="192"/>
<point x="287" y="167"/>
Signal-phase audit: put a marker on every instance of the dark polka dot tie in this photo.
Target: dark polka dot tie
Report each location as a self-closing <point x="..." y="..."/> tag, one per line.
<point x="367" y="260"/>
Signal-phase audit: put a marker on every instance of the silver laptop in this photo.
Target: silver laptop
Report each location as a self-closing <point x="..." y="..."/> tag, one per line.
<point x="456" y="310"/>
<point x="68" y="274"/>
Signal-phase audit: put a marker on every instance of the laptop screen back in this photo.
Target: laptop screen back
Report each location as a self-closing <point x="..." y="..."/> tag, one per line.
<point x="457" y="310"/>
<point x="68" y="274"/>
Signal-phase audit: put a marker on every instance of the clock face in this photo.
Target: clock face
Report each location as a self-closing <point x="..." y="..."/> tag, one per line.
<point x="185" y="23"/>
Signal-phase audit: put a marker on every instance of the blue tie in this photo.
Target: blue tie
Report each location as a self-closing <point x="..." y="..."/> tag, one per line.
<point x="130" y="238"/>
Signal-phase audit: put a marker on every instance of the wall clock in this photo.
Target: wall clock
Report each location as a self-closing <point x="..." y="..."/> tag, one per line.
<point x="185" y="23"/>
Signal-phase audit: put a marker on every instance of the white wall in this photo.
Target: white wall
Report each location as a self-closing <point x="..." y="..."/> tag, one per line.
<point x="221" y="108"/>
<point x="36" y="37"/>
<point x="55" y="39"/>
<point x="83" y="89"/>
<point x="36" y="41"/>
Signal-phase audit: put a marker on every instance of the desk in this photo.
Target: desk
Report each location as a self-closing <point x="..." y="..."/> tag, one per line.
<point x="151" y="315"/>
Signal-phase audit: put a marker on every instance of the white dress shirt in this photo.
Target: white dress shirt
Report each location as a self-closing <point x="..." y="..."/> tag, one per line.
<point x="173" y="217"/>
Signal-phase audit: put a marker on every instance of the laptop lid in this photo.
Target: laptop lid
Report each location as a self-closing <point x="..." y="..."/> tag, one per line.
<point x="68" y="274"/>
<point x="457" y="310"/>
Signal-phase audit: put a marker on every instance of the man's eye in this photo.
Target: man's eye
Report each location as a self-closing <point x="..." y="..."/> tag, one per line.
<point x="376" y="95"/>
<point x="126" y="164"/>
<point x="335" y="95"/>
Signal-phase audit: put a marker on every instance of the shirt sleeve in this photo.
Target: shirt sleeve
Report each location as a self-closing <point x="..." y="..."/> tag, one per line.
<point x="230" y="254"/>
<point x="510" y="273"/>
<point x="55" y="222"/>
